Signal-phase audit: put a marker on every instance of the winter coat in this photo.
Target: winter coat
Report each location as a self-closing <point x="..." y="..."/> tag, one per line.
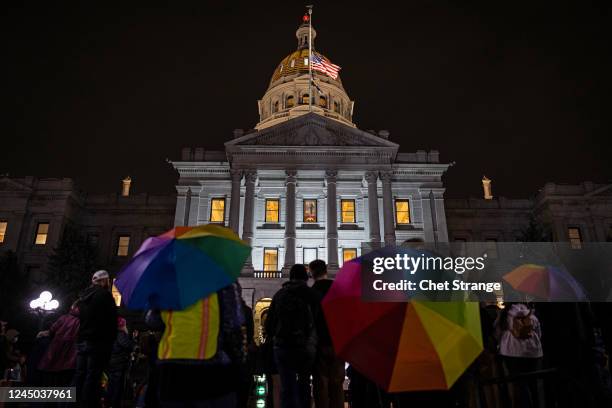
<point x="61" y="353"/>
<point x="122" y="349"/>
<point x="98" y="317"/>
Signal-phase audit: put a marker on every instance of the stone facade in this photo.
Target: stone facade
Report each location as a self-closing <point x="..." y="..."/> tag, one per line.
<point x="313" y="158"/>
<point x="29" y="202"/>
<point x="586" y="208"/>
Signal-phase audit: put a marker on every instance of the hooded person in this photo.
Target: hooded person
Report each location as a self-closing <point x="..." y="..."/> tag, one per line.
<point x="96" y="336"/>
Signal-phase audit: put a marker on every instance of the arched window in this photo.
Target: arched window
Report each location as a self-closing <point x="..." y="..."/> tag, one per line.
<point x="290" y="102"/>
<point x="305" y="99"/>
<point x="323" y="101"/>
<point x="336" y="106"/>
<point x="275" y="107"/>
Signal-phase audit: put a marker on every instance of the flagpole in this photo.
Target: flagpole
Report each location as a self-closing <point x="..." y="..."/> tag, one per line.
<point x="309" y="58"/>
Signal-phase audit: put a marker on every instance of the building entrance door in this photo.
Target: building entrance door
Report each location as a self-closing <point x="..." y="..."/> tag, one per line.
<point x="310" y="254"/>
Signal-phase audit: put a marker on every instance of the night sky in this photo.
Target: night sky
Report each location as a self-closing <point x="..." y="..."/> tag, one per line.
<point x="519" y="91"/>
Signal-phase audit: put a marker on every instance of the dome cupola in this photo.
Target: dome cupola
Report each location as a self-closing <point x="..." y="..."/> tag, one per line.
<point x="288" y="95"/>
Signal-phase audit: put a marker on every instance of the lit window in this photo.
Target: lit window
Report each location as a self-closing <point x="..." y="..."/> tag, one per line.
<point x="305" y="62"/>
<point x="116" y="294"/>
<point x="270" y="259"/>
<point x="491" y="248"/>
<point x="41" y="233"/>
<point x="305" y="99"/>
<point x="290" y="101"/>
<point x="402" y="212"/>
<point x="123" y="246"/>
<point x="574" y="237"/>
<point x="3" y="225"/>
<point x="336" y="107"/>
<point x="310" y="210"/>
<point x="217" y="210"/>
<point x="348" y="211"/>
<point x="292" y="63"/>
<point x="348" y="254"/>
<point x="322" y="101"/>
<point x="272" y="209"/>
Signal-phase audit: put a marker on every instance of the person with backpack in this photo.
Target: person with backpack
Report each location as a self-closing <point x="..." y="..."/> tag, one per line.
<point x="96" y="335"/>
<point x="201" y="350"/>
<point x="328" y="373"/>
<point x="520" y="346"/>
<point x="291" y="323"/>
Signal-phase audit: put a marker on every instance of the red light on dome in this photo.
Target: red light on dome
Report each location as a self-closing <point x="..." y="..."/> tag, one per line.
<point x="305" y="18"/>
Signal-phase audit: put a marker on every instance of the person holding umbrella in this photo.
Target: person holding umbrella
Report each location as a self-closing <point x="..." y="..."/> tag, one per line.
<point x="204" y="342"/>
<point x="186" y="279"/>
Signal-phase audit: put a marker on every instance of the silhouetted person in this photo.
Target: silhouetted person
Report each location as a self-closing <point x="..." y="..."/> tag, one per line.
<point x="97" y="333"/>
<point x="291" y="324"/>
<point x="328" y="372"/>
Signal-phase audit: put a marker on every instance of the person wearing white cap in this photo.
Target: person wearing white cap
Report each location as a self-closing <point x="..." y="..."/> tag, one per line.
<point x="101" y="278"/>
<point x="97" y="333"/>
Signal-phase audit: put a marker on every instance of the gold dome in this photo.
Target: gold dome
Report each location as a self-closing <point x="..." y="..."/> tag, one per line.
<point x="297" y="63"/>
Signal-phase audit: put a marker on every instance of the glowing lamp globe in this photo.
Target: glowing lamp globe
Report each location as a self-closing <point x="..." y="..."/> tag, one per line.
<point x="46" y="296"/>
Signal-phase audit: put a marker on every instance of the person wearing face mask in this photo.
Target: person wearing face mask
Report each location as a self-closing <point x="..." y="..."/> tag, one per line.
<point x="97" y="333"/>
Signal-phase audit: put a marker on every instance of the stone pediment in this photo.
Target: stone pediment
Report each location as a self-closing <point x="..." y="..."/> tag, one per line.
<point x="311" y="130"/>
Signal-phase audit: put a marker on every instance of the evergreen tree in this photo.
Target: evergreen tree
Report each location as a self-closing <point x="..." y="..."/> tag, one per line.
<point x="536" y="231"/>
<point x="12" y="286"/>
<point x="71" y="264"/>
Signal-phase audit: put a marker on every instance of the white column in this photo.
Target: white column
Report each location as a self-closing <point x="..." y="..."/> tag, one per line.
<point x="182" y="205"/>
<point x="372" y="179"/>
<point x="428" y="216"/>
<point x="388" y="208"/>
<point x="194" y="206"/>
<point x="332" y="220"/>
<point x="249" y="209"/>
<point x="442" y="228"/>
<point x="290" y="183"/>
<point x="234" y="219"/>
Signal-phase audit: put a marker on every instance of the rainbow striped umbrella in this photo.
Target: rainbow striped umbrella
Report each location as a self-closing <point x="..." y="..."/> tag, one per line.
<point x="401" y="346"/>
<point x="174" y="270"/>
<point x="545" y="282"/>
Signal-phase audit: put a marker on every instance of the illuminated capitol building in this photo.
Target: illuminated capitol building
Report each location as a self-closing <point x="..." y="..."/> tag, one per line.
<point x="305" y="183"/>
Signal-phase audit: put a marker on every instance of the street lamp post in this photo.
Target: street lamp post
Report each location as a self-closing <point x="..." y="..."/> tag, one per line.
<point x="42" y="305"/>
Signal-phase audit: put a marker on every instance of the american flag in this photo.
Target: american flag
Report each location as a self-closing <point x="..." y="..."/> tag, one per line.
<point x="325" y="66"/>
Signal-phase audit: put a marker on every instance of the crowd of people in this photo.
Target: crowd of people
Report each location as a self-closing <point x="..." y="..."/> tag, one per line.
<point x="205" y="356"/>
